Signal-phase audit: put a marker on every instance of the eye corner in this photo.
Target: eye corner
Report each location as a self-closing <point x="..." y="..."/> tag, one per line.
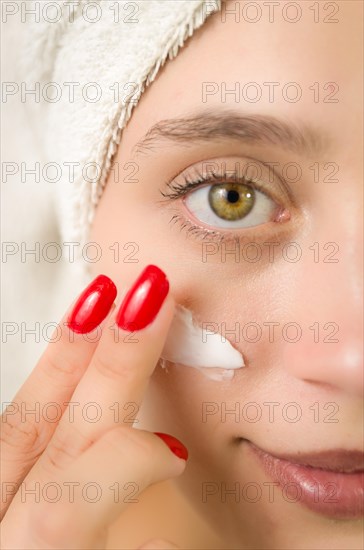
<point x="283" y="215"/>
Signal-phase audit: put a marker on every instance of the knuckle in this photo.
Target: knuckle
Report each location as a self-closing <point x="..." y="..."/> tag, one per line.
<point x="16" y="433"/>
<point x="56" y="458"/>
<point x="59" y="453"/>
<point x="22" y="435"/>
<point x="113" y="368"/>
<point x="60" y="368"/>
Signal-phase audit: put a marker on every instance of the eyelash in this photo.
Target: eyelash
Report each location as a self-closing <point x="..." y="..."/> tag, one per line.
<point x="178" y="190"/>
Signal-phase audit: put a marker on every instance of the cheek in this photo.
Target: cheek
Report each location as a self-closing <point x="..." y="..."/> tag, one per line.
<point x="127" y="232"/>
<point x="236" y="296"/>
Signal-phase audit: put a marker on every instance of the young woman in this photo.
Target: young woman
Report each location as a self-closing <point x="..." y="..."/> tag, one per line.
<point x="246" y="210"/>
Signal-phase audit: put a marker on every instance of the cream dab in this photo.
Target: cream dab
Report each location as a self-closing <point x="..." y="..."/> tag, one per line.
<point x="191" y="345"/>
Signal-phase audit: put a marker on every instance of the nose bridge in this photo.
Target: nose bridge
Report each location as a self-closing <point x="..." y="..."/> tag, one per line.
<point x="326" y="302"/>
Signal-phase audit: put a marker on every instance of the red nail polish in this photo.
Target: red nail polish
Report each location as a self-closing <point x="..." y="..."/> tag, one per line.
<point x="174" y="444"/>
<point x="93" y="305"/>
<point x="143" y="301"/>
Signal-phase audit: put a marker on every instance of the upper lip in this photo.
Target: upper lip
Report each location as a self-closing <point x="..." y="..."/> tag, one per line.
<point x="335" y="460"/>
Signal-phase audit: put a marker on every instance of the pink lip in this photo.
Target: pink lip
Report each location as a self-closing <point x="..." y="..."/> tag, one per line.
<point x="329" y="483"/>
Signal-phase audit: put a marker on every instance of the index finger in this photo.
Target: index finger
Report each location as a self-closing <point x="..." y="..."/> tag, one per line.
<point x="29" y="421"/>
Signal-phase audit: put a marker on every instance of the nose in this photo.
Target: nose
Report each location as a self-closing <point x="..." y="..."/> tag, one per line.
<point x="326" y="306"/>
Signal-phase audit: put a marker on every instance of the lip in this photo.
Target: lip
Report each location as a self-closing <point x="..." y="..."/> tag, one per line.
<point x="328" y="482"/>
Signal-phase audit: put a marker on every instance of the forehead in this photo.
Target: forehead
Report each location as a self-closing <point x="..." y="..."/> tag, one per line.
<point x="300" y="63"/>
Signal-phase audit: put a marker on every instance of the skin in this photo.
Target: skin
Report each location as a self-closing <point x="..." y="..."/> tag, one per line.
<point x="238" y="291"/>
<point x="71" y="450"/>
<point x="305" y="292"/>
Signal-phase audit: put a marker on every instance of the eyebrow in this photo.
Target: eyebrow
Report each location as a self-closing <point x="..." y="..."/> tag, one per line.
<point x="233" y="125"/>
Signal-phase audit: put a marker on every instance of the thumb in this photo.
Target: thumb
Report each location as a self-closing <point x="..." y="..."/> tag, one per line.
<point x="158" y="544"/>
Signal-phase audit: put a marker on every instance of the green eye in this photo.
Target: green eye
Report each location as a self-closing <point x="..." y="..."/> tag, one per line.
<point x="230" y="205"/>
<point x="231" y="201"/>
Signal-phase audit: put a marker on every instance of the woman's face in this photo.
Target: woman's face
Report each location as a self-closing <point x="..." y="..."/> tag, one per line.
<point x="274" y="265"/>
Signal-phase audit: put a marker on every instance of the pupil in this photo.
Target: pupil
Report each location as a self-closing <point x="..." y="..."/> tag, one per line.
<point x="232" y="196"/>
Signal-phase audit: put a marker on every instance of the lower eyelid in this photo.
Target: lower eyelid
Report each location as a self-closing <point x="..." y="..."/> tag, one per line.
<point x="247" y="235"/>
<point x="204" y="233"/>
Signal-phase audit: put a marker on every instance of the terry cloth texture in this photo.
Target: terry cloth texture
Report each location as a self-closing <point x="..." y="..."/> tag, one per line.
<point x="89" y="61"/>
<point x="93" y="60"/>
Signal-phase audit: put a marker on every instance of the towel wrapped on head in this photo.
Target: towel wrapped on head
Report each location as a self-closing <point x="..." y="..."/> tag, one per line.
<point x="93" y="60"/>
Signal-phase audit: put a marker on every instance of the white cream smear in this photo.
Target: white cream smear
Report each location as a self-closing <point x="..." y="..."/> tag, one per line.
<point x="191" y="345"/>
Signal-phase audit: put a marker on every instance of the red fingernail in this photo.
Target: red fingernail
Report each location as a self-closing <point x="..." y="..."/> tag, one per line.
<point x="174" y="444"/>
<point x="93" y="305"/>
<point x="143" y="301"/>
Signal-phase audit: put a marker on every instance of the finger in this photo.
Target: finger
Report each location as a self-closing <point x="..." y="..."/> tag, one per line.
<point x="107" y="477"/>
<point x="113" y="385"/>
<point x="30" y="420"/>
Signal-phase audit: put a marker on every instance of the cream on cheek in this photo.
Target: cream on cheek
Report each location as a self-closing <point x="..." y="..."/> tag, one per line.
<point x="191" y="345"/>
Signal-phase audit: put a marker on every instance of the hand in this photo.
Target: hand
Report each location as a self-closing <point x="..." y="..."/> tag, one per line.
<point x="65" y="467"/>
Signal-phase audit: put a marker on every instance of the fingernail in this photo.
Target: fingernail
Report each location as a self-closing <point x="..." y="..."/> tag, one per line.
<point x="93" y="305"/>
<point x="143" y="301"/>
<point x="174" y="444"/>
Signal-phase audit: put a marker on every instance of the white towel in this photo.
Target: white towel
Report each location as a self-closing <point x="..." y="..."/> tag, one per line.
<point x="127" y="43"/>
<point x="113" y="59"/>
